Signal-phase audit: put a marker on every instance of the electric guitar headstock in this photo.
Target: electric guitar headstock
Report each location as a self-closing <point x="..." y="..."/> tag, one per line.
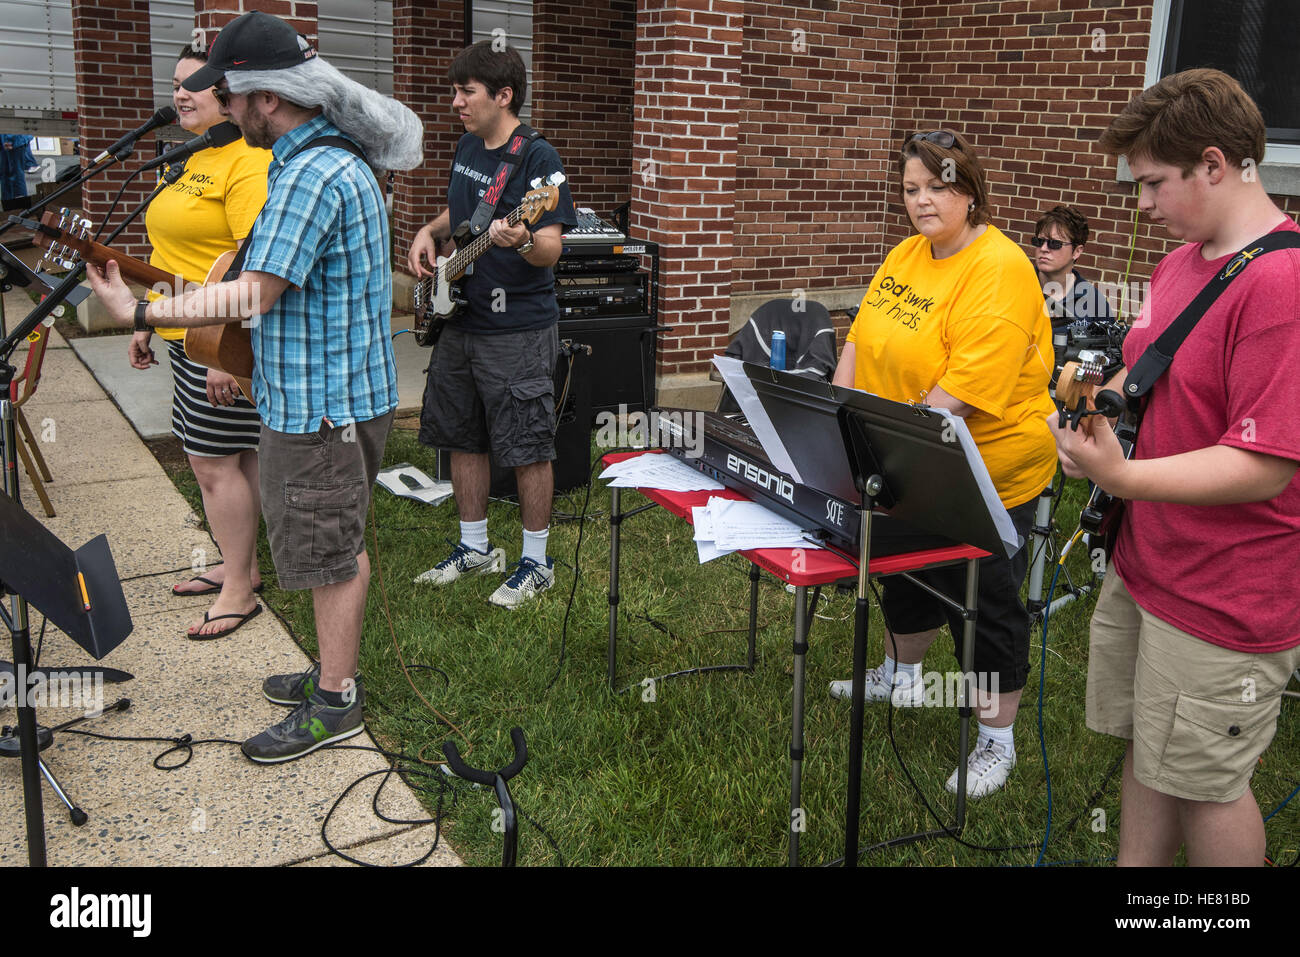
<point x="543" y="196"/>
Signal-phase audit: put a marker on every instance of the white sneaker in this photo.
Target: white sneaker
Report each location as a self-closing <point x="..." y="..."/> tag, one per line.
<point x="905" y="694"/>
<point x="526" y="582"/>
<point x="462" y="561"/>
<point x="987" y="770"/>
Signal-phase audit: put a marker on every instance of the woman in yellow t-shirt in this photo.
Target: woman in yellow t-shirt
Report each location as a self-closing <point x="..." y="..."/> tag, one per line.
<point x="207" y="212"/>
<point x="954" y="318"/>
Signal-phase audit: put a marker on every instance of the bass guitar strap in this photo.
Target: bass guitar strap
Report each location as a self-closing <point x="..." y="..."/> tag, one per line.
<point x="512" y="159"/>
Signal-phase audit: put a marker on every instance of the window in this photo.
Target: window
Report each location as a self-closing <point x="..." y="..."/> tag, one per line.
<point x="1255" y="41"/>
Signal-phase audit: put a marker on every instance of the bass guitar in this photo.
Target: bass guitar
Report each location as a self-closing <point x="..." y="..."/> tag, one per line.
<point x="1076" y="390"/>
<point x="226" y="347"/>
<point x="437" y="298"/>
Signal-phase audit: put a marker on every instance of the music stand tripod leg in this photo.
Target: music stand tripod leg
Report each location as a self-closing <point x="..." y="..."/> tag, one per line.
<point x="861" y="621"/>
<point x="615" y="522"/>
<point x="22" y="648"/>
<point x="965" y="687"/>
<point x="796" y="727"/>
<point x="754" y="575"/>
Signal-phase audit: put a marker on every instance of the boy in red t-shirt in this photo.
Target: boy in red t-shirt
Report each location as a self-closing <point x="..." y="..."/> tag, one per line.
<point x="1197" y="629"/>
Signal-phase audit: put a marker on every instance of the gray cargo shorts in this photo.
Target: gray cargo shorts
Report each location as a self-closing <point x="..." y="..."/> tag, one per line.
<point x="315" y="494"/>
<point x="493" y="393"/>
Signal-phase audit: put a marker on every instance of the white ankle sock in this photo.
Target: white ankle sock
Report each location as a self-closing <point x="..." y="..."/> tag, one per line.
<point x="474" y="534"/>
<point x="535" y="545"/>
<point x="906" y="673"/>
<point x="1003" y="736"/>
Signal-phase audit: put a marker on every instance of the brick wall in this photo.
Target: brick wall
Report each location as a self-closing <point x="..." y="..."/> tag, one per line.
<point x="583" y="61"/>
<point x="688" y="55"/>
<point x="813" y="157"/>
<point x="1033" y="84"/>
<point x="212" y="15"/>
<point x="427" y="35"/>
<point x="110" y="43"/>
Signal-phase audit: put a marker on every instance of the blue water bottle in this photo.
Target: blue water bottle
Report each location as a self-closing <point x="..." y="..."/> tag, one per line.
<point x="778" y="350"/>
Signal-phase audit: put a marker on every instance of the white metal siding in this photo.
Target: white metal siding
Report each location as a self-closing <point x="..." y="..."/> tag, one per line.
<point x="357" y="37"/>
<point x="171" y="26"/>
<point x="516" y="18"/>
<point x="36" y="63"/>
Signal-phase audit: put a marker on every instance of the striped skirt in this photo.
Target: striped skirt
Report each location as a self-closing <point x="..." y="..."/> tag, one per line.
<point x="205" y="429"/>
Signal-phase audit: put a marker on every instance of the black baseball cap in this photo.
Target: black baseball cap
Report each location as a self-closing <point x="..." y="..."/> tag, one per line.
<point x="254" y="41"/>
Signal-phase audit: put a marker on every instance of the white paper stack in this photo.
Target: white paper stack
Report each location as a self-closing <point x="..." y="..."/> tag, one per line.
<point x="658" y="471"/>
<point x="725" y="525"/>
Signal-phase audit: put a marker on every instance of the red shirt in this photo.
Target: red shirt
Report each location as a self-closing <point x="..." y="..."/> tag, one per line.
<point x="1229" y="574"/>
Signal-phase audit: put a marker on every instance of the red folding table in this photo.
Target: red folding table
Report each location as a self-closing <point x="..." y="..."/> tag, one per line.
<point x="804" y="569"/>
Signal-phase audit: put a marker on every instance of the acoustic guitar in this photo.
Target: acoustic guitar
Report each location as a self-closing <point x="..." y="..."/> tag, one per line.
<point x="226" y="347"/>
<point x="437" y="298"/>
<point x="1076" y="390"/>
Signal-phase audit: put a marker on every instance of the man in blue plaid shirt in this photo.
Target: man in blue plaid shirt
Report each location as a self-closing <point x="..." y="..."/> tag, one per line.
<point x="318" y="273"/>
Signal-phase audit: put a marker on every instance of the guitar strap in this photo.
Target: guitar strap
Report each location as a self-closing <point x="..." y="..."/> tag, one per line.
<point x="237" y="264"/>
<point x="1153" y="362"/>
<point x="513" y="159"/>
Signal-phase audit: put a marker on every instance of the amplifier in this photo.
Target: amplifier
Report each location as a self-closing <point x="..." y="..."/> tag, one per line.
<point x="577" y="265"/>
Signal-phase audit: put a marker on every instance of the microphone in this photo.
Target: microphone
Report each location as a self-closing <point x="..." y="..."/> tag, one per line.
<point x="222" y="134"/>
<point x="122" y="148"/>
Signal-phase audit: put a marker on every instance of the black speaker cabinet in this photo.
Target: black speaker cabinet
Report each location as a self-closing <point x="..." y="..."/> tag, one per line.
<point x="573" y="421"/>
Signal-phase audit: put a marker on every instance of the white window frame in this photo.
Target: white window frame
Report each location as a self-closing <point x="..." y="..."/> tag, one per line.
<point x="1282" y="160"/>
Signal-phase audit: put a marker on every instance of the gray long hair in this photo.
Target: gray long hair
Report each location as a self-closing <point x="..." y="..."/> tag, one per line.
<point x="391" y="135"/>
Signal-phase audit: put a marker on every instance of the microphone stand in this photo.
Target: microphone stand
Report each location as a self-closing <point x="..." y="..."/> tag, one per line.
<point x="29" y="740"/>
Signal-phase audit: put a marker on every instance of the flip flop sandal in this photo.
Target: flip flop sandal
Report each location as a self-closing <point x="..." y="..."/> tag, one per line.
<point x="243" y="620"/>
<point x="213" y="589"/>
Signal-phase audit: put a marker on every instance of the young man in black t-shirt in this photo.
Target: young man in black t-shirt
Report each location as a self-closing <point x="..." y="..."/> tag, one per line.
<point x="490" y="384"/>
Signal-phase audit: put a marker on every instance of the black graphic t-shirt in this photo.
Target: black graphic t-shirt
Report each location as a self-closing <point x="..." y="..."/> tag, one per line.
<point x="505" y="293"/>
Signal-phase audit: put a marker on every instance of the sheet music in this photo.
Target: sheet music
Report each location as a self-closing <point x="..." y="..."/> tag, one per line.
<point x="660" y="472"/>
<point x="733" y="373"/>
<point x="1001" y="519"/>
<point x="726" y="525"/>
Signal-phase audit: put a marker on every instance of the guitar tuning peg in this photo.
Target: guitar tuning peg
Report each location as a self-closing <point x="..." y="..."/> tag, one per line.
<point x="85" y="228"/>
<point x="535" y="182"/>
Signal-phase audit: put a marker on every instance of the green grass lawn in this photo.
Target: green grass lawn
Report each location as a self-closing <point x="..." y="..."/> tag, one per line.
<point x="701" y="774"/>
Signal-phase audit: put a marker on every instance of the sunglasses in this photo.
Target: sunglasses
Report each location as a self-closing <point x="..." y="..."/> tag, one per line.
<point x="222" y="93"/>
<point x="1052" y="244"/>
<point x="940" y="138"/>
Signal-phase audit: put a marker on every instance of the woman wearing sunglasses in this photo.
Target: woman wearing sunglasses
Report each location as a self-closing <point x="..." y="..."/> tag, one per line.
<point x="205" y="213"/>
<point x="955" y="319"/>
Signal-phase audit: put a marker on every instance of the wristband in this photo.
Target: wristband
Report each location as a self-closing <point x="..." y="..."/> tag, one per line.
<point x="140" y="324"/>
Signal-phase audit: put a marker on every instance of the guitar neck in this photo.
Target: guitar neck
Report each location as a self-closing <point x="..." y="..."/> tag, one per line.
<point x="455" y="267"/>
<point x="90" y="251"/>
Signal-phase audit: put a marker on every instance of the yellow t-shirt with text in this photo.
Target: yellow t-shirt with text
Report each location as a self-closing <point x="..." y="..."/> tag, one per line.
<point x="974" y="324"/>
<point x="206" y="212"/>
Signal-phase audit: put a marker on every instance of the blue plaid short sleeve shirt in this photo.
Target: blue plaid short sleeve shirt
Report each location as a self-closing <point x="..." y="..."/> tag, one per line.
<point x="324" y="349"/>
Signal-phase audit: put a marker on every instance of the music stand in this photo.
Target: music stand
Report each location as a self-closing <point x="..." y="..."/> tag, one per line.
<point x="921" y="467"/>
<point x="78" y="591"/>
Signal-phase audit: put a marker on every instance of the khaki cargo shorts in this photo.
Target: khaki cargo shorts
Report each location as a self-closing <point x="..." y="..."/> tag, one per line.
<point x="1199" y="715"/>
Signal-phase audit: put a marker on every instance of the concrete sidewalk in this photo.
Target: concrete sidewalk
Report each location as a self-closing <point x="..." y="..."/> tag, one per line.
<point x="220" y="808"/>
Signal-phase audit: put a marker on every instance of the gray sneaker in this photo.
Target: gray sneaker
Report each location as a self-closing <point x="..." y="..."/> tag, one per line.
<point x="296" y="688"/>
<point x="463" y="560"/>
<point x="526" y="582"/>
<point x="311" y="725"/>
